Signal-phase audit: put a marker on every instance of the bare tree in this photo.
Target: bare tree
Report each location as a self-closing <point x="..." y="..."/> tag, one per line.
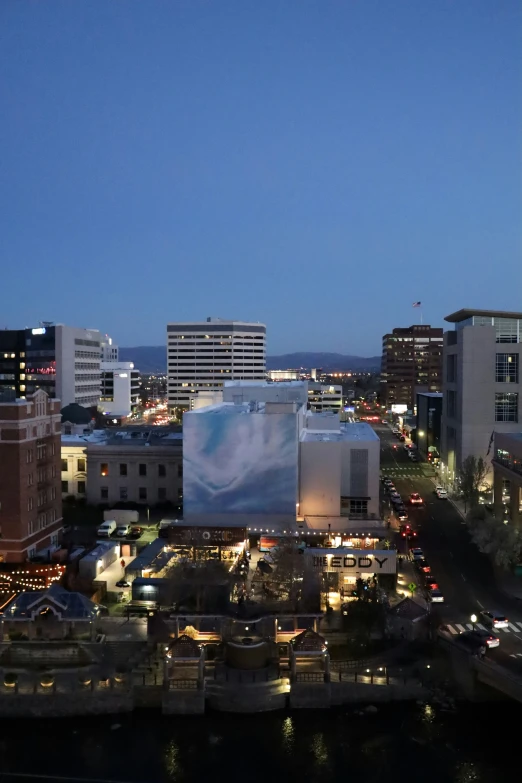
<point x="472" y="474"/>
<point x="198" y="584"/>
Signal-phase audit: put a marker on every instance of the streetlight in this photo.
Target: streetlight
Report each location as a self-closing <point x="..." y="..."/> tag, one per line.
<point x="473" y="620"/>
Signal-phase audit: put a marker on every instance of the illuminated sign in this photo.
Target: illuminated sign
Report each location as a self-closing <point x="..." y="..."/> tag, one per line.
<point x="39" y="330"/>
<point x="399" y="408"/>
<point x="343" y="560"/>
<point x="205" y="536"/>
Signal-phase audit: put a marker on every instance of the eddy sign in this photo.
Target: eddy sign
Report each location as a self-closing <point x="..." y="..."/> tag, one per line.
<point x="353" y="561"/>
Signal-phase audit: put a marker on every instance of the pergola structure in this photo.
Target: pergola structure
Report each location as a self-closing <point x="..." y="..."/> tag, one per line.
<point x="309" y="647"/>
<point x="185" y="661"/>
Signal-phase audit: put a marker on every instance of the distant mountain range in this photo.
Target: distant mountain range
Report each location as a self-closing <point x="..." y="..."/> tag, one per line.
<point x="153" y="359"/>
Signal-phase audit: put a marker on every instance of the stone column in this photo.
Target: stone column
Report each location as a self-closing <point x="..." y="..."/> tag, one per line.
<point x="497" y="495"/>
<point x="327" y="667"/>
<point x="201" y="668"/>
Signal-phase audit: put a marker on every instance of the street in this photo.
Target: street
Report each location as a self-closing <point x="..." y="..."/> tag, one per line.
<point x="465" y="576"/>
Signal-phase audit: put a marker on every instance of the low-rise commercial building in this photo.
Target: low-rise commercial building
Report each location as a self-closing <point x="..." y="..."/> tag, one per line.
<point x="137" y="464"/>
<point x="272" y="462"/>
<point x="325" y="397"/>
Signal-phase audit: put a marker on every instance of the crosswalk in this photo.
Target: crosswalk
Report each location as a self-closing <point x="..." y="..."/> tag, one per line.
<point x="457" y="628"/>
<point x="408" y="471"/>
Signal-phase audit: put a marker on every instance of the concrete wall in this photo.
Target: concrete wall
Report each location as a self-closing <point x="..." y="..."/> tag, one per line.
<point x="320" y="478"/>
<point x="72" y="453"/>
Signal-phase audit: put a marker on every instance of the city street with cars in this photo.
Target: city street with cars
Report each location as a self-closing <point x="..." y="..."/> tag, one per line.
<point x="465" y="577"/>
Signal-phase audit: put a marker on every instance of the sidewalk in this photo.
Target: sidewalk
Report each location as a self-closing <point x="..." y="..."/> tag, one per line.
<point x="507" y="582"/>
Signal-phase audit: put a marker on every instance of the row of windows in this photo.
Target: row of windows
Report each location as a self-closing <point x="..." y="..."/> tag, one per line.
<point x="142" y="493"/>
<point x="43" y="520"/>
<point x="80" y="487"/>
<point x="80" y="465"/>
<point x="506" y="368"/>
<point x="142" y="469"/>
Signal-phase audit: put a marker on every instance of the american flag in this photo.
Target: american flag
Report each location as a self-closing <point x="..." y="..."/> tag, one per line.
<point x="416" y="304"/>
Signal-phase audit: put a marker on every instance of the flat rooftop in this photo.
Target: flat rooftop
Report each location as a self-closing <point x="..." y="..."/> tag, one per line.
<point x="265" y="384"/>
<point x="463" y="315"/>
<point x="358" y="431"/>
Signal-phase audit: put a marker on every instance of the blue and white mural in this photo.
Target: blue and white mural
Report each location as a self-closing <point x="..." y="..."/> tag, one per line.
<point x="239" y="463"/>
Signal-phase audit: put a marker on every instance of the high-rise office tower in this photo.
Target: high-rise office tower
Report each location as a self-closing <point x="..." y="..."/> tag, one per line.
<point x="411" y="363"/>
<point x="61" y="360"/>
<point x="201" y="356"/>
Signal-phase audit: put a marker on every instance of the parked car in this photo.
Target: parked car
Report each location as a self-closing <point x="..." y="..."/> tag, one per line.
<point x="107" y="529"/>
<point x="123" y="583"/>
<point x="394" y="495"/>
<point x="422" y="565"/>
<point x="416" y="553"/>
<point x="136" y="531"/>
<point x="123" y="530"/>
<point x="436" y="597"/>
<point x="494" y="619"/>
<point x="487" y="638"/>
<point x="441" y="492"/>
<point x="401" y="514"/>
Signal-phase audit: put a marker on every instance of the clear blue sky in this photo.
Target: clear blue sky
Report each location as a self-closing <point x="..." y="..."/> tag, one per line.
<point x="314" y="165"/>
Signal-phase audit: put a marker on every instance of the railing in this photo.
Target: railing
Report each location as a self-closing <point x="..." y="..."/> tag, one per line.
<point x="183" y="685"/>
<point x="309" y="677"/>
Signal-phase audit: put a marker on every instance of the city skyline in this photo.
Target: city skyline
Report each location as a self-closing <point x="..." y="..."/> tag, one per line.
<point x="299" y="166"/>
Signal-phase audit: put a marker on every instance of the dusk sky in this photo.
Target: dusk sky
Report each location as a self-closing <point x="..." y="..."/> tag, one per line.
<point x="317" y="166"/>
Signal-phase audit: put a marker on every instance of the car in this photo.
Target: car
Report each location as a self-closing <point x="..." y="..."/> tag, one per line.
<point x="136" y="531"/>
<point x="415" y="499"/>
<point x="401" y="514"/>
<point x="123" y="530"/>
<point x="387" y="482"/>
<point x="404" y="530"/>
<point x="488" y="638"/>
<point x="394" y="495"/>
<point x="422" y="565"/>
<point x="397" y="502"/>
<point x="412" y="536"/>
<point x="413" y="457"/>
<point x="406" y="447"/>
<point x="416" y="553"/>
<point x="402" y="438"/>
<point x="436" y="596"/>
<point x="494" y="619"/>
<point x="123" y="583"/>
<point x="383" y="421"/>
<point x="429" y="581"/>
<point x="441" y="492"/>
<point x="470" y="640"/>
<point x="344" y="608"/>
<point x="395" y="431"/>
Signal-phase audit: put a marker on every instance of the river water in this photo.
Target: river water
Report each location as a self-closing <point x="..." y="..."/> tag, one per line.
<point x="410" y="742"/>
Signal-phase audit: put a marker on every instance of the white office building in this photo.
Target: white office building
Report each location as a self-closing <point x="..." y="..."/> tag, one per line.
<point x="324" y="397"/>
<point x="110" y="351"/>
<point x="268" y="461"/>
<point x="481" y="385"/>
<point x="203" y="355"/>
<point x="120" y="386"/>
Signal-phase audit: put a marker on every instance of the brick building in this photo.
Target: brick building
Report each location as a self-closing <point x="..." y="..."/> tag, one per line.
<point x="30" y="495"/>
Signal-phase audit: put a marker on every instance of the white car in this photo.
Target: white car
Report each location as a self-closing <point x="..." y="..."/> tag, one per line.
<point x="417" y="553"/>
<point x="494" y="619"/>
<point x="436" y="596"/>
<point x="441" y="492"/>
<point x="123" y="530"/>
